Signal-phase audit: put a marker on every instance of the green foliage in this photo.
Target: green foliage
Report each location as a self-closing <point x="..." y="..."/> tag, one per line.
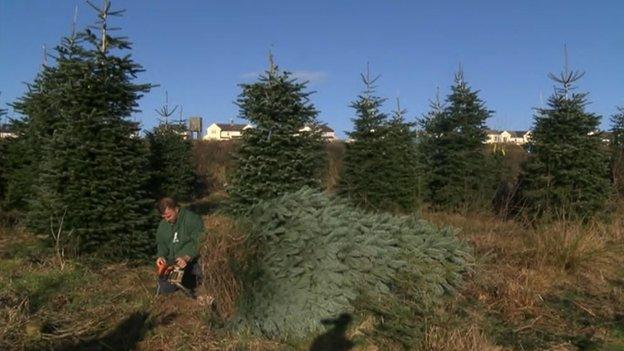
<point x="40" y="118"/>
<point x="617" y="151"/>
<point x="3" y="158"/>
<point x="452" y="151"/>
<point x="316" y="255"/>
<point x="402" y="163"/>
<point x="567" y="172"/>
<point x="91" y="169"/>
<point x="379" y="167"/>
<point x="171" y="160"/>
<point x="275" y="156"/>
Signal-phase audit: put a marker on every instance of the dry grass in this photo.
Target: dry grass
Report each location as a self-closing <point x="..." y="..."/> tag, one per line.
<point x="213" y="163"/>
<point x="538" y="288"/>
<point x="335" y="153"/>
<point x="559" y="287"/>
<point x="470" y="338"/>
<point x="224" y="244"/>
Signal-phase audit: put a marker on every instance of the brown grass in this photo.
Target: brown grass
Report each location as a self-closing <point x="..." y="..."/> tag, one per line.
<point x="224" y="244"/>
<point x="470" y="338"/>
<point x="335" y="153"/>
<point x="546" y="281"/>
<point x="213" y="163"/>
<point x="538" y="289"/>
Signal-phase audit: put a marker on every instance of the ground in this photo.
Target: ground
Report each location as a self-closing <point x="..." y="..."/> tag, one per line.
<point x="555" y="288"/>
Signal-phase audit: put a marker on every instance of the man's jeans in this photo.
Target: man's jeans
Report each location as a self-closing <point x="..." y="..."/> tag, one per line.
<point x="192" y="275"/>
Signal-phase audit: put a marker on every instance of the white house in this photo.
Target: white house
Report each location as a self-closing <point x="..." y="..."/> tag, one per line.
<point x="327" y="133"/>
<point x="225" y="131"/>
<point x="229" y="131"/>
<point x="493" y="136"/>
<point x="5" y="132"/>
<point x="518" y="137"/>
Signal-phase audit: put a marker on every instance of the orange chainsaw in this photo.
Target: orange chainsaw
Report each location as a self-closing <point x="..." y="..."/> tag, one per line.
<point x="172" y="273"/>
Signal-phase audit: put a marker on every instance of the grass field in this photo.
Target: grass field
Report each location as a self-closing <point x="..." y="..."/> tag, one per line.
<point x="554" y="288"/>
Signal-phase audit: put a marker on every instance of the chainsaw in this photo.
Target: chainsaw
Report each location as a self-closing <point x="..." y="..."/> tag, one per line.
<point x="173" y="274"/>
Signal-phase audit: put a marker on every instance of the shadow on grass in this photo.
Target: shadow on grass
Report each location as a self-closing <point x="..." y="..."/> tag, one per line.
<point x="125" y="336"/>
<point x="334" y="339"/>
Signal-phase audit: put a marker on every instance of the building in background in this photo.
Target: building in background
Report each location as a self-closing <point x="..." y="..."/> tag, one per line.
<point x="225" y="131"/>
<point x="327" y="133"/>
<point x="5" y="132"/>
<point x="230" y="131"/>
<point x="194" y="128"/>
<point x="518" y="137"/>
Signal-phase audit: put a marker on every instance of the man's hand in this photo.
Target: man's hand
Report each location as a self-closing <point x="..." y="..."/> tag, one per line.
<point x="160" y="261"/>
<point x="182" y="261"/>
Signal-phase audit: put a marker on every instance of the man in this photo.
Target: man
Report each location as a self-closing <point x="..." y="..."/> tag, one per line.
<point x="177" y="239"/>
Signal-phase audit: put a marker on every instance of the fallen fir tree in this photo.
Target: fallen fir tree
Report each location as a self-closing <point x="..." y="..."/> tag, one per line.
<point x="315" y="256"/>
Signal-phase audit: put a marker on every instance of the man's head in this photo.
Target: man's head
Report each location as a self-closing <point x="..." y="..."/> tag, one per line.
<point x="168" y="209"/>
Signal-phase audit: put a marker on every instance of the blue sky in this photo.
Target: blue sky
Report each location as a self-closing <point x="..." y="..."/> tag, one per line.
<point x="199" y="51"/>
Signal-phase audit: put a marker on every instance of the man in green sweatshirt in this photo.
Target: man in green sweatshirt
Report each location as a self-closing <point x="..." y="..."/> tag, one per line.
<point x="177" y="239"/>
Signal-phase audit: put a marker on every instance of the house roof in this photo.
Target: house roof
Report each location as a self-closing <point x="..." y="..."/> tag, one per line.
<point x="513" y="133"/>
<point x="231" y="127"/>
<point x="325" y="128"/>
<point x="517" y="133"/>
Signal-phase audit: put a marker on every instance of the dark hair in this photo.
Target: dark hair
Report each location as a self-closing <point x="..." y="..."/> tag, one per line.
<point x="165" y="203"/>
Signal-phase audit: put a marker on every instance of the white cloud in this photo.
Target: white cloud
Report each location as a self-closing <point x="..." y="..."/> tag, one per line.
<point x="314" y="77"/>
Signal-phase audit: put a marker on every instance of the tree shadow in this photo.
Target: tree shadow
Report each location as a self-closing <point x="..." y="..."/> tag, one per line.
<point x="125" y="336"/>
<point x="334" y="339"/>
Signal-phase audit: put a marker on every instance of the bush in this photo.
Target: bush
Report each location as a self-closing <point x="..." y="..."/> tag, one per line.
<point x="315" y="255"/>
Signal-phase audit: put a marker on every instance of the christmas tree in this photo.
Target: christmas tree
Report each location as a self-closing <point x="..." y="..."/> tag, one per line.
<point x="617" y="151"/>
<point x="92" y="176"/>
<point x="402" y="162"/>
<point x="316" y="255"/>
<point x="452" y="150"/>
<point x="3" y="160"/>
<point x="566" y="175"/>
<point x="365" y="180"/>
<point x="39" y="120"/>
<point x="171" y="157"/>
<point x="284" y="151"/>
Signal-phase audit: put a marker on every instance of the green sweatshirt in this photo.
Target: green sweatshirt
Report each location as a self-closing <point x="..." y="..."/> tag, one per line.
<point x="180" y="238"/>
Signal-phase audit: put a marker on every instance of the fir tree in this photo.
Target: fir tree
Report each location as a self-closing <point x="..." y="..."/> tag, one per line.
<point x="39" y="120"/>
<point x="323" y="255"/>
<point x="617" y="151"/>
<point x="452" y="142"/>
<point x="275" y="156"/>
<point x="402" y="162"/>
<point x="365" y="180"/>
<point x="171" y="158"/>
<point x="3" y="155"/>
<point x="95" y="173"/>
<point x="431" y="126"/>
<point x="567" y="172"/>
